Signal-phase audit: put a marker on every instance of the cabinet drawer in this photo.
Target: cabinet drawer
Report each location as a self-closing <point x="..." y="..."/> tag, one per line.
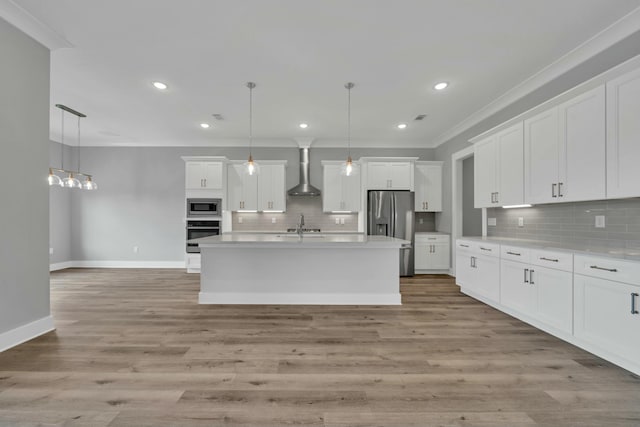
<point x="608" y="268"/>
<point x="431" y="238"/>
<point x="558" y="260"/>
<point x="464" y="245"/>
<point x="487" y="249"/>
<point x="515" y="253"/>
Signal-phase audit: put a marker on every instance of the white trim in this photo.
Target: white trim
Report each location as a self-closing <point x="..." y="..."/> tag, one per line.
<point x="456" y="199"/>
<point x="26" y="332"/>
<point x="118" y="264"/>
<point x="32" y="26"/>
<point x="60" y="265"/>
<point x="616" y="32"/>
<point x="298" y="298"/>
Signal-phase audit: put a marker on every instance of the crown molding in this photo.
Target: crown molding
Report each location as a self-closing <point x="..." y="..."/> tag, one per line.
<point x="606" y="38"/>
<point x="31" y="26"/>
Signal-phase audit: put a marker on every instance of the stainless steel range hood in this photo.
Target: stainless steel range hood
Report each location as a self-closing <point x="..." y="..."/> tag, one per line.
<point x="304" y="188"/>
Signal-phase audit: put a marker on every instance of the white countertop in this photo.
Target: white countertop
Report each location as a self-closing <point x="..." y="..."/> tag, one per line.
<point x="315" y="240"/>
<point x="610" y="252"/>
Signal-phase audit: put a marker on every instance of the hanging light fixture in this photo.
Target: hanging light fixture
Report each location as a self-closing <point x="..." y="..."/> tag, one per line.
<point x="347" y="168"/>
<point x="70" y="181"/>
<point x="250" y="166"/>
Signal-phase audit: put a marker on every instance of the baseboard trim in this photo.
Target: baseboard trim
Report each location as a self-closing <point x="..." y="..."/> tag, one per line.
<point x="301" y="299"/>
<point x="25" y="333"/>
<point x="116" y="264"/>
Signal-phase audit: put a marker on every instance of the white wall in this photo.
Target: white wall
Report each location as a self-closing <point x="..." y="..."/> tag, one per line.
<point x="24" y="159"/>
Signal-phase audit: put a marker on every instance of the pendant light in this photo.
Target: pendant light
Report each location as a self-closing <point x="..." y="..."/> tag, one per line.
<point x="250" y="166"/>
<point x="347" y="168"/>
<point x="70" y="181"/>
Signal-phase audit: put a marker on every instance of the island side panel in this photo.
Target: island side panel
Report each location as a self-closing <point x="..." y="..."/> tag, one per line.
<point x="234" y="274"/>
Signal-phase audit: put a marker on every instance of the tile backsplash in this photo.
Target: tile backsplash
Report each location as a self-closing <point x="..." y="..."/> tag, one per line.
<point x="573" y="223"/>
<point x="311" y="207"/>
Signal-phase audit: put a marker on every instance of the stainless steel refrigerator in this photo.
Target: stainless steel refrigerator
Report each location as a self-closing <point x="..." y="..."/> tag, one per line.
<point x="390" y="213"/>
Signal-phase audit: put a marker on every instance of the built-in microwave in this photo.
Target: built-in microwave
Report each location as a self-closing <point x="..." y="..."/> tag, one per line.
<point x="204" y="207"/>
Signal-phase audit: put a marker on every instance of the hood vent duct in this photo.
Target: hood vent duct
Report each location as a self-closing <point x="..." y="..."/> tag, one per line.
<point x="304" y="188"/>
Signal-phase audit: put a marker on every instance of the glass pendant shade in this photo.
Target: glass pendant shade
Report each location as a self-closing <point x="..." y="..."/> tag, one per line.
<point x="54" y="180"/>
<point x="88" y="184"/>
<point x="251" y="167"/>
<point x="348" y="168"/>
<point x="71" y="182"/>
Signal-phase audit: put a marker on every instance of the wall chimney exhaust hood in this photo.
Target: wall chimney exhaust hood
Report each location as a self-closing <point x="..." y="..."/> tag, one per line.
<point x="304" y="188"/>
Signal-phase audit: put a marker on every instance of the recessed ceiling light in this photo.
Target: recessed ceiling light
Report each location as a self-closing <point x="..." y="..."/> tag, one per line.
<point x="402" y="126"/>
<point x="205" y="125"/>
<point x="159" y="85"/>
<point x="303" y="125"/>
<point x="441" y="85"/>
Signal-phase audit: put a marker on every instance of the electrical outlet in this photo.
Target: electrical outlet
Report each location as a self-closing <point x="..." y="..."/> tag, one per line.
<point x="273" y="220"/>
<point x="341" y="221"/>
<point x="421" y="221"/>
<point x="50" y="251"/>
<point x="491" y="222"/>
<point x="520" y="221"/>
<point x="337" y="221"/>
<point x="600" y="221"/>
<point x="239" y="220"/>
<point x="135" y="249"/>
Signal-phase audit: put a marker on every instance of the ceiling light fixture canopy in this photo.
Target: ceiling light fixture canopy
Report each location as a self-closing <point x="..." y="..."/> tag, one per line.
<point x="159" y="85"/>
<point x="70" y="181"/>
<point x="347" y="168"/>
<point x="250" y="166"/>
<point x="441" y="86"/>
<point x="402" y="126"/>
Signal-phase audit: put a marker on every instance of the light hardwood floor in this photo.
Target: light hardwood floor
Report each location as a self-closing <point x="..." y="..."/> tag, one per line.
<point x="133" y="348"/>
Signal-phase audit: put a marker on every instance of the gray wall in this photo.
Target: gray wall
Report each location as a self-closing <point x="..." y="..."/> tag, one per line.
<point x="616" y="54"/>
<point x="471" y="217"/>
<point x="60" y="207"/>
<point x="140" y="199"/>
<point x="24" y="158"/>
<point x="573" y="223"/>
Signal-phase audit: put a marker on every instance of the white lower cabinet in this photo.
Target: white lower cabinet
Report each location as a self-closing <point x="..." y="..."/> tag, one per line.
<point x="192" y="262"/>
<point x="481" y="264"/>
<point x="431" y="252"/>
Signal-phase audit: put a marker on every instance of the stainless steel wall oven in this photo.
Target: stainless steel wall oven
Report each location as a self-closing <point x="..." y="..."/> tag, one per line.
<point x="200" y="228"/>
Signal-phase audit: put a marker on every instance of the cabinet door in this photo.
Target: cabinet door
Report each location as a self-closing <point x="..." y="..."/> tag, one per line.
<point x="378" y="176"/>
<point x="541" y="157"/>
<point x="242" y="189"/>
<point x="554" y="297"/>
<point x="422" y="255"/>
<point x="623" y="136"/>
<point x="516" y="290"/>
<point x="331" y="188"/>
<point x="194" y="175"/>
<point x="212" y="175"/>
<point x="583" y="147"/>
<point x="484" y="170"/>
<point x="440" y="256"/>
<point x="465" y="272"/>
<point x="428" y="186"/>
<point x="400" y="175"/>
<point x="351" y="191"/>
<point x="488" y="277"/>
<point x="603" y="318"/>
<point x="271" y="188"/>
<point x="510" y="166"/>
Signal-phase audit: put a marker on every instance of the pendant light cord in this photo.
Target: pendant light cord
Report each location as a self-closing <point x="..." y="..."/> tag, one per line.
<point x="250" y="85"/>
<point x="349" y="86"/>
<point x="78" y="145"/>
<point x="62" y="141"/>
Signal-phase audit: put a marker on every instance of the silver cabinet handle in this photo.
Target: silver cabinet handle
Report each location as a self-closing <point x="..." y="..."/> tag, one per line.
<point x="531" y="277"/>
<point x="497" y="197"/>
<point x="548" y="259"/>
<point x="464" y="246"/>
<point x="526" y="270"/>
<point x="513" y="253"/>
<point x="485" y="249"/>
<point x="612" y="270"/>
<point x="633" y="303"/>
<point x="426" y="205"/>
<point x="205" y="182"/>
<point x="553" y="190"/>
<point x="431" y="238"/>
<point x="560" y="184"/>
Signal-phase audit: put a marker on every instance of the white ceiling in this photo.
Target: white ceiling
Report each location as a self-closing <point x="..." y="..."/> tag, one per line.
<point x="300" y="53"/>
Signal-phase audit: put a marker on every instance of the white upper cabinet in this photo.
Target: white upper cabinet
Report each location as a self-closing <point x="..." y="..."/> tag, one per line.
<point x="623" y="136"/>
<point x="428" y="187"/>
<point x="498" y="169"/>
<point x="242" y="189"/>
<point x="390" y="175"/>
<point x="271" y="188"/>
<point x="204" y="175"/>
<point x="565" y="150"/>
<point x="340" y="192"/>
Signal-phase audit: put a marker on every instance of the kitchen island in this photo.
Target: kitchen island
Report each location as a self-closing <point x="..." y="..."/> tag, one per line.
<point x="247" y="268"/>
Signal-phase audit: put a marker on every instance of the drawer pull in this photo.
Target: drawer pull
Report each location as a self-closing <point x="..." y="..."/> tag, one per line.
<point x="513" y="253"/>
<point x="526" y="270"/>
<point x="548" y="259"/>
<point x="485" y="249"/>
<point x="432" y="238"/>
<point x="612" y="270"/>
<point x="633" y="303"/>
<point x="464" y="246"/>
<point x="531" y="277"/>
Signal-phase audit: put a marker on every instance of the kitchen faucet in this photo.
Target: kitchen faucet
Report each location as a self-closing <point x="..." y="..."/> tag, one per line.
<point x="300" y="224"/>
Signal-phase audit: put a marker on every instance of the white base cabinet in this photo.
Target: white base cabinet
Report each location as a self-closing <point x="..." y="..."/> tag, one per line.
<point x="431" y="252"/>
<point x="192" y="262"/>
<point x="481" y="264"/>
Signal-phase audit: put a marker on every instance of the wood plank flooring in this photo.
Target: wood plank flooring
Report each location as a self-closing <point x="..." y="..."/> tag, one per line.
<point x="133" y="348"/>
